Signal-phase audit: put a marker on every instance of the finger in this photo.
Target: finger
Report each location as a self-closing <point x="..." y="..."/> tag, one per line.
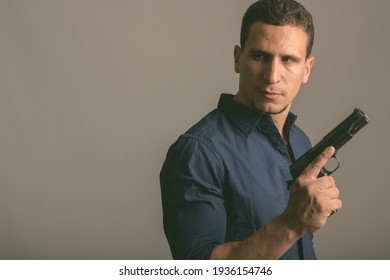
<point x="332" y="193"/>
<point x="316" y="165"/>
<point x="335" y="205"/>
<point x="326" y="182"/>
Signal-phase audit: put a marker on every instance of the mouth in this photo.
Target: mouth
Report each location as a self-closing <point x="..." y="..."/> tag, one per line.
<point x="270" y="94"/>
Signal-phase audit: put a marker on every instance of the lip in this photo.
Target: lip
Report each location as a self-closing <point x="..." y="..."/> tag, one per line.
<point x="270" y="94"/>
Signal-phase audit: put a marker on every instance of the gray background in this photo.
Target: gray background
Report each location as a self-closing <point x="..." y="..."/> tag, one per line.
<point x="92" y="93"/>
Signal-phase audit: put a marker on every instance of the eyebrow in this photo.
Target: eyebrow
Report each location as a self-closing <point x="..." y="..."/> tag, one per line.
<point x="258" y="51"/>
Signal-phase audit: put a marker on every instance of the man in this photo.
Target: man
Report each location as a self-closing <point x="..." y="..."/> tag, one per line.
<point x="223" y="183"/>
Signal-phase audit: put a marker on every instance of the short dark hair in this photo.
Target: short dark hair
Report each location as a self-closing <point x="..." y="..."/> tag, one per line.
<point x="278" y="12"/>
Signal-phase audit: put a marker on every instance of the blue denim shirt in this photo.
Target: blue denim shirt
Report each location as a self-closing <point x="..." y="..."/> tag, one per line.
<point x="225" y="178"/>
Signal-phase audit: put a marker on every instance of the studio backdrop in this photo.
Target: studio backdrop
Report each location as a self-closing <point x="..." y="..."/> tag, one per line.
<point x="93" y="92"/>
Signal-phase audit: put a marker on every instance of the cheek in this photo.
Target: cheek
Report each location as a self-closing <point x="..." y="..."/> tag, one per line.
<point x="296" y="78"/>
<point x="250" y="72"/>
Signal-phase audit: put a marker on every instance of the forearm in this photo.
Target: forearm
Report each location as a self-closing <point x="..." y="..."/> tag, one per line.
<point x="269" y="242"/>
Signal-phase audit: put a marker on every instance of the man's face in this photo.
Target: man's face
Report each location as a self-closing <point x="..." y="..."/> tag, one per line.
<point x="272" y="67"/>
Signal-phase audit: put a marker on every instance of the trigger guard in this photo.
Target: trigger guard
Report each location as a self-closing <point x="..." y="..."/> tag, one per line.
<point x="329" y="172"/>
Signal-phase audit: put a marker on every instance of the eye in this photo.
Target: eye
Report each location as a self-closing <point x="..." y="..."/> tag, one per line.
<point x="260" y="56"/>
<point x="289" y="60"/>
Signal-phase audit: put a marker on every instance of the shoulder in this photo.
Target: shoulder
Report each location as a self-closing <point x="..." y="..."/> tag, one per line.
<point x="211" y="124"/>
<point x="210" y="131"/>
<point x="197" y="149"/>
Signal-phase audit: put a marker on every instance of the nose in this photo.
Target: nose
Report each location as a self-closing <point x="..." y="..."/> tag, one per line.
<point x="272" y="71"/>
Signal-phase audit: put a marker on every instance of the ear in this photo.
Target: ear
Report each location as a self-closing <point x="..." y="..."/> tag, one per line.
<point x="237" y="55"/>
<point x="308" y="64"/>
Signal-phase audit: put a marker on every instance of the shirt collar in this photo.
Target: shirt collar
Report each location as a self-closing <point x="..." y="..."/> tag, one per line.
<point x="246" y="119"/>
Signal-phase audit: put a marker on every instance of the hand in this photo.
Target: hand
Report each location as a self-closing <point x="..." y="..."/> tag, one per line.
<point x="312" y="199"/>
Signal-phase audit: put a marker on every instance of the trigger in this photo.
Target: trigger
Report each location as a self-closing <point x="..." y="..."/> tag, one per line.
<point x="333" y="167"/>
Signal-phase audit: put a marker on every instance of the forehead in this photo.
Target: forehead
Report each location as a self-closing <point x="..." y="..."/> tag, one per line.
<point x="275" y="38"/>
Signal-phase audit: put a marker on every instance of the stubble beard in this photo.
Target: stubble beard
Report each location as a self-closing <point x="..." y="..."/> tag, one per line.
<point x="269" y="112"/>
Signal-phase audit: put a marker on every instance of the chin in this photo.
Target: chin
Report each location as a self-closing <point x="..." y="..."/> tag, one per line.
<point x="270" y="110"/>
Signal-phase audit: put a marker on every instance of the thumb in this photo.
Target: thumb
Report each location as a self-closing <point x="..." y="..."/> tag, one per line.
<point x="314" y="168"/>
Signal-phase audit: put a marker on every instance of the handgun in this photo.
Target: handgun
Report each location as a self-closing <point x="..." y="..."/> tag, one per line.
<point x="337" y="138"/>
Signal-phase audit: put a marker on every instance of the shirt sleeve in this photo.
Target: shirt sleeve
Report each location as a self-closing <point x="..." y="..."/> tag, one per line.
<point x="193" y="206"/>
